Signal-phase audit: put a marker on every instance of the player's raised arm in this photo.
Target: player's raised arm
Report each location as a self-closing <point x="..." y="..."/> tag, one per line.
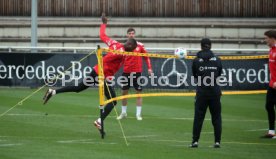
<point x="103" y="35"/>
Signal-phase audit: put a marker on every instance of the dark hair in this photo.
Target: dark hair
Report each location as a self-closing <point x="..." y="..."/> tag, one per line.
<point x="130" y="30"/>
<point x="270" y="34"/>
<point x="133" y="41"/>
<point x="130" y="45"/>
<point x="206" y="44"/>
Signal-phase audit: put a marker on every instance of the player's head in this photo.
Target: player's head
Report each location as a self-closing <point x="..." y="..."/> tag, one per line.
<point x="206" y="44"/>
<point x="131" y="33"/>
<point x="130" y="44"/>
<point x="270" y="37"/>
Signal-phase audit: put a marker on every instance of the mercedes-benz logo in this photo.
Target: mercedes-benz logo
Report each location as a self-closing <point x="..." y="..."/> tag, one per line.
<point x="174" y="71"/>
<point x="201" y="68"/>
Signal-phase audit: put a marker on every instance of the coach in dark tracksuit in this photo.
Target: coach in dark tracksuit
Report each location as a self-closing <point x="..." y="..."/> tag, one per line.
<point x="206" y="68"/>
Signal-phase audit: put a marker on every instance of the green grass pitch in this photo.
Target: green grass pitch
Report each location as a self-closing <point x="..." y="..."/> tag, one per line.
<point x="63" y="128"/>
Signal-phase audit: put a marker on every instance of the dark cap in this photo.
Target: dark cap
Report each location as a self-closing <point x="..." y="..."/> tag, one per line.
<point x="206" y="44"/>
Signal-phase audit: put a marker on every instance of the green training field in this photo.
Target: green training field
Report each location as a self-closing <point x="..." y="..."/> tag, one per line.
<point x="63" y="128"/>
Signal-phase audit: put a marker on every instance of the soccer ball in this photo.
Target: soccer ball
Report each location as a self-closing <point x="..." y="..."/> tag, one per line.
<point x="180" y="52"/>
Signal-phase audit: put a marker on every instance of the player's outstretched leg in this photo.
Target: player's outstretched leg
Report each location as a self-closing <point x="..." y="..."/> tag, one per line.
<point x="48" y="95"/>
<point x="50" y="92"/>
<point x="98" y="125"/>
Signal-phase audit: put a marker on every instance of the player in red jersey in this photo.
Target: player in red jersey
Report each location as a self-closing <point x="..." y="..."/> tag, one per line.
<point x="133" y="67"/>
<point x="270" y="39"/>
<point x="111" y="64"/>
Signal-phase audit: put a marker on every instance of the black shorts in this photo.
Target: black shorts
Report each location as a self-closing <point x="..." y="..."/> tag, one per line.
<point x="131" y="80"/>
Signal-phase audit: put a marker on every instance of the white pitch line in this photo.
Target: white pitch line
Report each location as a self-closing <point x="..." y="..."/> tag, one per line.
<point x="89" y="142"/>
<point x="84" y="141"/>
<point x="95" y="116"/>
<point x="223" y="142"/>
<point x="103" y="143"/>
<point x="71" y="141"/>
<point x="147" y="136"/>
<point x="179" y="145"/>
<point x="9" y="145"/>
<point x="256" y="130"/>
<point x="78" y="141"/>
<point x="141" y="136"/>
<point x="248" y="143"/>
<point x="4" y="136"/>
<point x="41" y="137"/>
<point x="24" y="114"/>
<point x="234" y="120"/>
<point x="52" y="115"/>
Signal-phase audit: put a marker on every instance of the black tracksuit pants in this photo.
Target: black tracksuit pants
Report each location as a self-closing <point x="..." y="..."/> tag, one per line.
<point x="270" y="107"/>
<point x="81" y="86"/>
<point x="201" y="105"/>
